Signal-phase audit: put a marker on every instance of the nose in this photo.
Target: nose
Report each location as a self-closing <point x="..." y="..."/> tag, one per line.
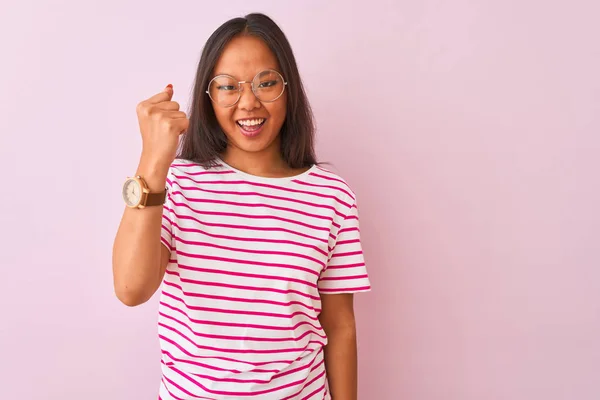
<point x="248" y="100"/>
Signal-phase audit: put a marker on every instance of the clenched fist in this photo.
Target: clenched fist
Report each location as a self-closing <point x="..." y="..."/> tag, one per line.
<point x="161" y="124"/>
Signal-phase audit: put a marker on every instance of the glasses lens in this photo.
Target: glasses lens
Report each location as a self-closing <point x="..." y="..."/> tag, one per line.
<point x="224" y="90"/>
<point x="268" y="85"/>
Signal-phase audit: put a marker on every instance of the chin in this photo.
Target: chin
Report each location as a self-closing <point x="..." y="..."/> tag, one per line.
<point x="252" y="146"/>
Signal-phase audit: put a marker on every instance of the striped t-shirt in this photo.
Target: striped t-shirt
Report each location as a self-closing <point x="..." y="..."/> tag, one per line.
<point x="240" y="300"/>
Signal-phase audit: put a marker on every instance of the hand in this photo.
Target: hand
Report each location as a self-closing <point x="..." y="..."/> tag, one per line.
<point x="161" y="124"/>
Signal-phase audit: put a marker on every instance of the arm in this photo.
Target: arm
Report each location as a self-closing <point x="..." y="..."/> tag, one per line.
<point x="337" y="319"/>
<point x="139" y="259"/>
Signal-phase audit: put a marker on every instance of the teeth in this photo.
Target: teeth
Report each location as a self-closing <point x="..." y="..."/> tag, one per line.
<point x="251" y="122"/>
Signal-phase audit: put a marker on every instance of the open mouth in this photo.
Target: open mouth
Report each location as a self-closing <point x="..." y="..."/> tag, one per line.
<point x="251" y="127"/>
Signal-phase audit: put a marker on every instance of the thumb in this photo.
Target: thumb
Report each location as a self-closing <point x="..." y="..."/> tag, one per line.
<point x="169" y="90"/>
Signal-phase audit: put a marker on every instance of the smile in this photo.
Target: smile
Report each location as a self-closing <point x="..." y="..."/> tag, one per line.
<point x="251" y="127"/>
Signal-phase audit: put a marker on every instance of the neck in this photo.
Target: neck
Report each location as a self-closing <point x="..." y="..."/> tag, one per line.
<point x="264" y="163"/>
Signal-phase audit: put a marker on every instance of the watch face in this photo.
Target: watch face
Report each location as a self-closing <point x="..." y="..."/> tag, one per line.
<point x="132" y="192"/>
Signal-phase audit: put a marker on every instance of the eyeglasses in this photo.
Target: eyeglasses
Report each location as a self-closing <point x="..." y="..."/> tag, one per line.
<point x="226" y="91"/>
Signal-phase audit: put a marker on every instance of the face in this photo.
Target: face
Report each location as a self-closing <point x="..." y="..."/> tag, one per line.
<point x="243" y="58"/>
<point x="132" y="192"/>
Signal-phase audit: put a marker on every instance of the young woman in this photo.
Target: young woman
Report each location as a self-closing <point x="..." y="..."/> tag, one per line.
<point x="255" y="246"/>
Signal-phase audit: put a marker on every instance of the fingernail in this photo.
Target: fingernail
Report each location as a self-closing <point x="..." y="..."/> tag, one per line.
<point x="169" y="86"/>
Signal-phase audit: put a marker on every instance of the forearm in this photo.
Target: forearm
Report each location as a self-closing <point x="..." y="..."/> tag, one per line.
<point x="341" y="364"/>
<point x="137" y="247"/>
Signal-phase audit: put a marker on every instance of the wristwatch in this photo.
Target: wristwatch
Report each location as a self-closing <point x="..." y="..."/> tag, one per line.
<point x="137" y="195"/>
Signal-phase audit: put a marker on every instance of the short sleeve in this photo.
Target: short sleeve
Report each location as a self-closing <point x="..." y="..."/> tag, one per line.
<point x="168" y="216"/>
<point x="346" y="271"/>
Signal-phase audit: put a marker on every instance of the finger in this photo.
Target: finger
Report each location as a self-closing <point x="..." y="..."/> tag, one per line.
<point x="168" y="106"/>
<point x="174" y="114"/>
<point x="182" y="124"/>
<point x="165" y="95"/>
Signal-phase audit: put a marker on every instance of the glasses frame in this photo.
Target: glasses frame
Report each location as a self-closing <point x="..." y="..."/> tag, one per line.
<point x="251" y="86"/>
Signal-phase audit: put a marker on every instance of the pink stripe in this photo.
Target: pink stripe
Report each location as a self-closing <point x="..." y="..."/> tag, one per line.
<point x="232" y="324"/>
<point x="171" y="363"/>
<point x="253" y="288"/>
<point x="325" y="196"/>
<point x="307" y="397"/>
<point x="240" y="338"/>
<point x="239" y="312"/>
<point x="164" y="379"/>
<point x="248" y="216"/>
<point x="242" y="274"/>
<point x="228" y="393"/>
<point x="215" y="379"/>
<point x="345" y="289"/>
<point x="329" y="178"/>
<point x="240" y="299"/>
<point x="240" y="351"/>
<point x="207" y="366"/>
<point x="246" y="227"/>
<point x="269" y="196"/>
<point x="323" y="186"/>
<point x="351" y="253"/>
<point x="348" y="241"/>
<point x="341" y="266"/>
<point x="273" y="378"/>
<point x="353" y="228"/>
<point x="187" y="353"/>
<point x="343" y="278"/>
<point x="309" y="365"/>
<point x="261" y="252"/>
<point x="323" y="169"/>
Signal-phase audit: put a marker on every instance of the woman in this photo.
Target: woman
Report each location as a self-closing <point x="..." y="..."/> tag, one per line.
<point x="256" y="246"/>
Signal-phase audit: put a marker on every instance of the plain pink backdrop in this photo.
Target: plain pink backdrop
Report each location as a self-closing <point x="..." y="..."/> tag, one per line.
<point x="468" y="129"/>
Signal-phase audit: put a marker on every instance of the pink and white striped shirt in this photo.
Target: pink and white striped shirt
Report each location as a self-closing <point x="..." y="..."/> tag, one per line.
<point x="240" y="300"/>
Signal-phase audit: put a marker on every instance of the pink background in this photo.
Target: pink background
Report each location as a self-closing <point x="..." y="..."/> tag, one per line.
<point x="468" y="129"/>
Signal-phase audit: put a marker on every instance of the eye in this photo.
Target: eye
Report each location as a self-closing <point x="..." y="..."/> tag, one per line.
<point x="267" y="84"/>
<point x="226" y="87"/>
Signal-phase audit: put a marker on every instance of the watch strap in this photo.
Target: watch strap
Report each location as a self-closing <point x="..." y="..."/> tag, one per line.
<point x="156" y="199"/>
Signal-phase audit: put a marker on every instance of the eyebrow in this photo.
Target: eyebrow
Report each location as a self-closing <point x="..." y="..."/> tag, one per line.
<point x="264" y="69"/>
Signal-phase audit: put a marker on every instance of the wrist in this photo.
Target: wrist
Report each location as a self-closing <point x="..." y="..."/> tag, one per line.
<point x="155" y="174"/>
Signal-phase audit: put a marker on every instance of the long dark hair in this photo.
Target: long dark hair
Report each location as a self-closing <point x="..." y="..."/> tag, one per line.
<point x="205" y="140"/>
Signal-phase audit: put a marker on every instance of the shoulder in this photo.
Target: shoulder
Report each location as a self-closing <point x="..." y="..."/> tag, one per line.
<point x="329" y="180"/>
